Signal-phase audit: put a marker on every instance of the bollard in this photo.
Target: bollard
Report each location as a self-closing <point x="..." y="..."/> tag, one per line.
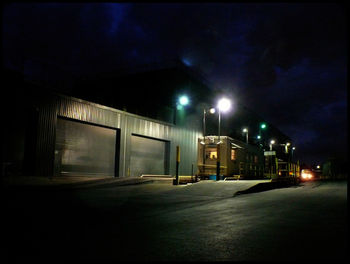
<point x="192" y="173"/>
<point x="176" y="181"/>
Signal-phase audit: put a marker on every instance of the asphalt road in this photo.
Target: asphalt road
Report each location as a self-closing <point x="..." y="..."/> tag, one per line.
<point x="199" y="222"/>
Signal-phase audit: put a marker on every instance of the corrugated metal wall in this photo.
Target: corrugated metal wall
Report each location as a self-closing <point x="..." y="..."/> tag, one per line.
<point x="56" y="105"/>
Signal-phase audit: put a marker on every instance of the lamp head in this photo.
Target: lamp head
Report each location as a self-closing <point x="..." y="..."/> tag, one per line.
<point x="224" y="104"/>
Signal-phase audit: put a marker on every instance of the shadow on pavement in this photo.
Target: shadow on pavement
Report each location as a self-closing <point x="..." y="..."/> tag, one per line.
<point x="265" y="186"/>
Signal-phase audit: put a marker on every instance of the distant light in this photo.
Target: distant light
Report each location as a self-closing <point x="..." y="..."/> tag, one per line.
<point x="263" y="125"/>
<point x="272" y="142"/>
<point x="293" y="148"/>
<point x="224" y="104"/>
<point x="183" y="100"/>
<point x="288" y="144"/>
<point x="212" y="110"/>
<point x="318" y="166"/>
<point x="245" y="130"/>
<point x="258" y="137"/>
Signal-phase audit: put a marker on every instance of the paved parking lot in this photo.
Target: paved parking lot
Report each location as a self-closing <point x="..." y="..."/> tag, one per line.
<point x="159" y="221"/>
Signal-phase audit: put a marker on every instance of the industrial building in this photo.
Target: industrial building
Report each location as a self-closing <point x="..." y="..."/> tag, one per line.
<point x="112" y="125"/>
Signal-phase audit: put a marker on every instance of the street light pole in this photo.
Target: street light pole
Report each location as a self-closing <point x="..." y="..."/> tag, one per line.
<point x="204" y="115"/>
<point x="223" y="105"/>
<point x="245" y="130"/>
<point x="219" y="126"/>
<point x="218" y="150"/>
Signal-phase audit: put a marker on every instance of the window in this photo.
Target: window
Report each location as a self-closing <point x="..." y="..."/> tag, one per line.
<point x="211" y="153"/>
<point x="233" y="154"/>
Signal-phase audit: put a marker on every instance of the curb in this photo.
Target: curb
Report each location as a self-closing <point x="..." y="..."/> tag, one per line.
<point x="79" y="185"/>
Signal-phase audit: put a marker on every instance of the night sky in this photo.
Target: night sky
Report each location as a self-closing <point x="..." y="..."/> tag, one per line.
<point x="287" y="62"/>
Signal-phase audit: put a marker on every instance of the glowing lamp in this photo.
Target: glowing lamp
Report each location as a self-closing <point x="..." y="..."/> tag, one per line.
<point x="183" y="100"/>
<point x="224" y="104"/>
<point x="212" y="110"/>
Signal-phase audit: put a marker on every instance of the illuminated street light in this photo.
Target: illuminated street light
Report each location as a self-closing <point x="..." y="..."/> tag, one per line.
<point x="258" y="137"/>
<point x="271" y="143"/>
<point x="224" y="105"/>
<point x="286" y="147"/>
<point x="183" y="100"/>
<point x="245" y="130"/>
<point x="262" y="126"/>
<point x="212" y="111"/>
<point x="293" y="148"/>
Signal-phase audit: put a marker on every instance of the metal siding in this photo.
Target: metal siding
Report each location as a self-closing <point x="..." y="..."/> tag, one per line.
<point x="183" y="137"/>
<point x="88" y="113"/>
<point x="46" y="137"/>
<point x="127" y="123"/>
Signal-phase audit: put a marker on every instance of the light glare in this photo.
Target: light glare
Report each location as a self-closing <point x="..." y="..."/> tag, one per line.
<point x="212" y="110"/>
<point x="184" y="100"/>
<point x="224" y="104"/>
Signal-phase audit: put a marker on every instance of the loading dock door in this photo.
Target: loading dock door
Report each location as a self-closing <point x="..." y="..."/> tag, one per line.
<point x="148" y="156"/>
<point x="84" y="150"/>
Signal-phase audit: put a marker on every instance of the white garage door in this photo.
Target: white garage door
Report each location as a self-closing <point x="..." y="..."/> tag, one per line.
<point x="83" y="149"/>
<point x="148" y="156"/>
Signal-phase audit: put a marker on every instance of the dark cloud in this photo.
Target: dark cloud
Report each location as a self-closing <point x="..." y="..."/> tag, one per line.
<point x="285" y="61"/>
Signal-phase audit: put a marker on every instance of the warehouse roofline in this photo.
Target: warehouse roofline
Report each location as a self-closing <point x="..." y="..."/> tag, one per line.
<point x="113" y="109"/>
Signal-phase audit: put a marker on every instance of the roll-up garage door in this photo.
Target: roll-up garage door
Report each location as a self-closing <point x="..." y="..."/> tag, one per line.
<point x="83" y="149"/>
<point x="148" y="156"/>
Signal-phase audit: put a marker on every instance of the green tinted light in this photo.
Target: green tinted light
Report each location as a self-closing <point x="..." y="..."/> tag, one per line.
<point x="183" y="100"/>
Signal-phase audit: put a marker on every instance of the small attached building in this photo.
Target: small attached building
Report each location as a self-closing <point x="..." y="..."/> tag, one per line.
<point x="236" y="158"/>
